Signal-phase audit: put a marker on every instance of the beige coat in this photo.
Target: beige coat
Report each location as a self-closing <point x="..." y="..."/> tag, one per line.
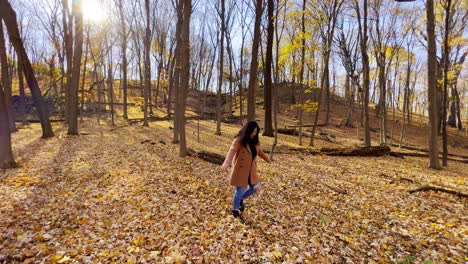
<point x="240" y="158"/>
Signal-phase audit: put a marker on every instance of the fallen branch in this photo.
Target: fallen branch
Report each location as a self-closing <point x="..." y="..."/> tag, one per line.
<point x="287" y="131"/>
<point x="438" y="189"/>
<point x="210" y="157"/>
<point x="374" y="151"/>
<point x="397" y="154"/>
<point x="38" y="121"/>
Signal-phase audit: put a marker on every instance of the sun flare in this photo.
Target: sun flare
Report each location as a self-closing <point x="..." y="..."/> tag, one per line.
<point x="93" y="11"/>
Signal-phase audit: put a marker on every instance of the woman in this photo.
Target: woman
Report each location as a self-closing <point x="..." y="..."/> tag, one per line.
<point x="243" y="155"/>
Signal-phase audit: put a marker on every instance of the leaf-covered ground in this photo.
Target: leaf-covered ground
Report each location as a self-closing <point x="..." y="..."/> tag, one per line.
<point x="108" y="197"/>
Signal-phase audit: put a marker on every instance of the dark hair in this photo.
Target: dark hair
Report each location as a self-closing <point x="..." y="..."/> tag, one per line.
<point x="247" y="129"/>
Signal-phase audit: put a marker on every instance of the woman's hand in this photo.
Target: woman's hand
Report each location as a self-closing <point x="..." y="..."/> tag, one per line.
<point x="225" y="167"/>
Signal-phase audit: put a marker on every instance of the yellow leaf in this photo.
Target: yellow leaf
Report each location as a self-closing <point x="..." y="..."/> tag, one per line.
<point x="84" y="221"/>
<point x="104" y="253"/>
<point x="56" y="257"/>
<point x="450" y="224"/>
<point x="349" y="240"/>
<point x="139" y="240"/>
<point x="65" y="259"/>
<point x="131" y="260"/>
<point x="278" y="254"/>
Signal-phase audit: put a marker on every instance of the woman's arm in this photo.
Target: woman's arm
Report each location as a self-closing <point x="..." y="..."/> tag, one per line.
<point x="230" y="155"/>
<point x="262" y="154"/>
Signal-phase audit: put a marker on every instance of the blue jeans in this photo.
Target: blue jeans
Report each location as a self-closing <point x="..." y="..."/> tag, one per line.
<point x="242" y="194"/>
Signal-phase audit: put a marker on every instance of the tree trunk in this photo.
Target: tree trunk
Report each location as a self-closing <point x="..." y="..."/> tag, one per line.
<point x="365" y="69"/>
<point x="22" y="93"/>
<point x="6" y="154"/>
<point x="405" y="97"/>
<point x="277" y="53"/>
<point x="177" y="71"/>
<point x="171" y="83"/>
<point x="241" y="77"/>
<point x="301" y="73"/>
<point x="268" y="68"/>
<point x="452" y="118"/>
<point x="220" y="71"/>
<point x="350" y="97"/>
<point x="147" y="62"/>
<point x="84" y="75"/>
<point x="275" y="121"/>
<point x="6" y="80"/>
<point x="432" y="87"/>
<point x="99" y="84"/>
<point x="457" y="96"/>
<point x="327" y="99"/>
<point x="75" y="80"/>
<point x="68" y="46"/>
<point x="8" y="15"/>
<point x="123" y="32"/>
<point x="254" y="61"/>
<point x="110" y="86"/>
<point x="446" y="66"/>
<point x="382" y="100"/>
<point x="160" y="67"/>
<point x="185" y="74"/>
<point x="231" y="61"/>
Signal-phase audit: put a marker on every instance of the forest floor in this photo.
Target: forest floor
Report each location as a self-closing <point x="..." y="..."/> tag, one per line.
<point x="124" y="195"/>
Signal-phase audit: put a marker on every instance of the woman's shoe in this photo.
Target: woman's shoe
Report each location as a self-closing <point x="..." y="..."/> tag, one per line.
<point x="242" y="207"/>
<point x="236" y="214"/>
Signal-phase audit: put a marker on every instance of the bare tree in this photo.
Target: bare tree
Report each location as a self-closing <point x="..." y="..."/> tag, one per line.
<point x="383" y="33"/>
<point x="365" y="68"/>
<point x="348" y="44"/>
<point x="446" y="67"/>
<point x="244" y="25"/>
<point x="221" y="68"/>
<point x="185" y="73"/>
<point x="301" y="73"/>
<point x="147" y="63"/>
<point x="268" y="70"/>
<point x="327" y="25"/>
<point x="67" y="23"/>
<point x="124" y="65"/>
<point x="254" y="61"/>
<point x="75" y="80"/>
<point x="432" y="86"/>
<point x="83" y="80"/>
